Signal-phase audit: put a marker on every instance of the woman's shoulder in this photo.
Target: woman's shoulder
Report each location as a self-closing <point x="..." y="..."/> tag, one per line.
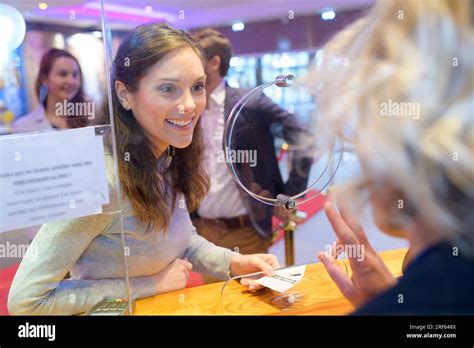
<point x="438" y="282"/>
<point x="33" y="121"/>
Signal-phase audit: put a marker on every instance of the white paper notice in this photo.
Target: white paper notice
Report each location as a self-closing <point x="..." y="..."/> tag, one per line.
<point x="284" y="279"/>
<point x="51" y="176"/>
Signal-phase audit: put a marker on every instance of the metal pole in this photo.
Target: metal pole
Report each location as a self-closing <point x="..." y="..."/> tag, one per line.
<point x="289" y="230"/>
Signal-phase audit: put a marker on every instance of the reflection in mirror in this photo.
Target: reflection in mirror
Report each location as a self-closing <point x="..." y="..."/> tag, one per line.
<point x="294" y="129"/>
<point x="279" y="185"/>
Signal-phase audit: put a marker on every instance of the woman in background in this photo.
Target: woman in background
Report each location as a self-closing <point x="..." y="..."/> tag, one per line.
<point x="59" y="80"/>
<point x="401" y="80"/>
<point x="158" y="96"/>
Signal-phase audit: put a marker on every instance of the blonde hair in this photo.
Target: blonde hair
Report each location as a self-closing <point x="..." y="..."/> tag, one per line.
<point x="401" y="80"/>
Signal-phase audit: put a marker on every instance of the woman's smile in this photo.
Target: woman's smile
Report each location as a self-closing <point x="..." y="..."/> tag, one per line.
<point x="181" y="124"/>
<point x="170" y="99"/>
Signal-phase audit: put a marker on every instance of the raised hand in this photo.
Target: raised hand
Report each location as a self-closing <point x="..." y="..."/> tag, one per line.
<point x="370" y="275"/>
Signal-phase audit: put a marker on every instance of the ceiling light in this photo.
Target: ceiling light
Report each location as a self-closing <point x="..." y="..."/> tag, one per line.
<point x="328" y="15"/>
<point x="238" y="26"/>
<point x="13" y="29"/>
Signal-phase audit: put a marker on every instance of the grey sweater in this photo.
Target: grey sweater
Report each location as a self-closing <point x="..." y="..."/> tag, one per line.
<point x="90" y="250"/>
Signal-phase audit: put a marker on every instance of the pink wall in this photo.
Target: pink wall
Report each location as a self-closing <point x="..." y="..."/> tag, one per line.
<point x="304" y="33"/>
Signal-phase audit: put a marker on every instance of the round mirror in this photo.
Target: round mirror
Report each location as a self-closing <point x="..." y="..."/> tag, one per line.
<point x="299" y="171"/>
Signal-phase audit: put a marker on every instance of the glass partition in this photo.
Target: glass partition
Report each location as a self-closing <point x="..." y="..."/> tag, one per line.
<point x="60" y="202"/>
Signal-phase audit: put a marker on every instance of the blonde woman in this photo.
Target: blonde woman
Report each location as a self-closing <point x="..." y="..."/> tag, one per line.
<point x="398" y="86"/>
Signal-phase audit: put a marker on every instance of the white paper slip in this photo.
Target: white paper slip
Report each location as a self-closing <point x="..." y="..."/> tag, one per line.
<point x="284" y="279"/>
<point x="50" y="176"/>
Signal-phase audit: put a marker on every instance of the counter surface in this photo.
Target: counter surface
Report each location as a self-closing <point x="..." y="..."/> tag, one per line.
<point x="318" y="295"/>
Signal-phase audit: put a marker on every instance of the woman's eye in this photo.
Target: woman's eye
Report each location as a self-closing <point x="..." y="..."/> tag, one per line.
<point x="198" y="87"/>
<point x="167" y="89"/>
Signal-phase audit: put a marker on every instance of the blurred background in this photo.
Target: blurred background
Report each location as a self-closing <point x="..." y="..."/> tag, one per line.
<point x="269" y="37"/>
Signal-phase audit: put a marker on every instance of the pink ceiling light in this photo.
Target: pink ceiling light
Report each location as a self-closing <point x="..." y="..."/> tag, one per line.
<point x="91" y="10"/>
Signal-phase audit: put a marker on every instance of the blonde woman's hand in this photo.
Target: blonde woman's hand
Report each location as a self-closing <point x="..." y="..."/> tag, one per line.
<point x="174" y="276"/>
<point x="246" y="264"/>
<point x="370" y="275"/>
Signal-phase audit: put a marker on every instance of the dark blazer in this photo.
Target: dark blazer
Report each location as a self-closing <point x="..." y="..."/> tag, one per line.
<point x="260" y="121"/>
<point x="435" y="283"/>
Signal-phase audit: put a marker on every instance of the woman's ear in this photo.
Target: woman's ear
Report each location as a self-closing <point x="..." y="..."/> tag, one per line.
<point x="391" y="211"/>
<point x="123" y="95"/>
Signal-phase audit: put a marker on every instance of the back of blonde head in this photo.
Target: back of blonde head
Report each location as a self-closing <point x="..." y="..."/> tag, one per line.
<point x="401" y="81"/>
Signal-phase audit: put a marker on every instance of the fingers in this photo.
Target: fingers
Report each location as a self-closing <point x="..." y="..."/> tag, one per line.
<point x="265" y="263"/>
<point x="251" y="284"/>
<point x="337" y="248"/>
<point x="339" y="276"/>
<point x="349" y="219"/>
<point x="245" y="264"/>
<point x="352" y="222"/>
<point x="272" y="260"/>
<point x="186" y="272"/>
<point x="343" y="232"/>
<point x="187" y="264"/>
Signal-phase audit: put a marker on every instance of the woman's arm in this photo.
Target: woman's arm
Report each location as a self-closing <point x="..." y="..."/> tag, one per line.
<point x="223" y="263"/>
<point x="39" y="286"/>
<point x="208" y="258"/>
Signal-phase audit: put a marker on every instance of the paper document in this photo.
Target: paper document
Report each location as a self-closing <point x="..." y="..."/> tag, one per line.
<point x="50" y="176"/>
<point x="284" y="279"/>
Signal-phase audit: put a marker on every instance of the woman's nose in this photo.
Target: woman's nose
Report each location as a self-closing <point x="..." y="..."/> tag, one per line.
<point x="187" y="105"/>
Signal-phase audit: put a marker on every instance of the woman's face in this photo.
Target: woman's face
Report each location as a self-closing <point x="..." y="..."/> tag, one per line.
<point x="64" y="79"/>
<point x="170" y="99"/>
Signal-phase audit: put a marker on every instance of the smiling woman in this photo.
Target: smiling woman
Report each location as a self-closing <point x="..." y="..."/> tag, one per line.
<point x="158" y="96"/>
<point x="169" y="100"/>
<point x="59" y="82"/>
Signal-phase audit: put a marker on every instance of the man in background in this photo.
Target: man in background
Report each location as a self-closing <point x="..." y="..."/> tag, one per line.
<point x="228" y="216"/>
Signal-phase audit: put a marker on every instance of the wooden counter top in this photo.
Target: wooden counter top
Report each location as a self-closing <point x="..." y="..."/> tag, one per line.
<point x="316" y="294"/>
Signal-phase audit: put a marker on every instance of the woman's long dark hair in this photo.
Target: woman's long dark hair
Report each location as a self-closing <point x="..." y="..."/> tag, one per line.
<point x="139" y="51"/>
<point x="47" y="61"/>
